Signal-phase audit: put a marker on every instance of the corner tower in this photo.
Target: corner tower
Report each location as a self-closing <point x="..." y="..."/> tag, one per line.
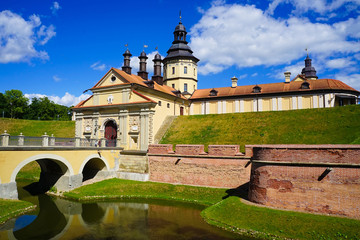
<point x="180" y="65"/>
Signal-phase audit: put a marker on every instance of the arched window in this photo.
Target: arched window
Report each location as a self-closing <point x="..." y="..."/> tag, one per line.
<point x="185" y="70"/>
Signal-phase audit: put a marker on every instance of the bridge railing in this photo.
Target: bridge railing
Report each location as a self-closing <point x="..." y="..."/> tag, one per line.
<point x="6" y="140"/>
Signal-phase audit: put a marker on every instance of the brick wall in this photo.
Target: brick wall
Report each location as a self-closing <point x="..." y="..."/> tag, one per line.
<point x="313" y="178"/>
<point x="224" y="166"/>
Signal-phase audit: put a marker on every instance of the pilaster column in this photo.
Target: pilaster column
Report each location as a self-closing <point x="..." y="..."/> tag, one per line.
<point x="123" y="132"/>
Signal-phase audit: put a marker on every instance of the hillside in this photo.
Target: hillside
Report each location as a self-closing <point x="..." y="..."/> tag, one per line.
<point x="37" y="128"/>
<point x="339" y="125"/>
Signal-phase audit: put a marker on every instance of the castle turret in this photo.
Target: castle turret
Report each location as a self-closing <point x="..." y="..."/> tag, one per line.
<point x="142" y="70"/>
<point x="309" y="71"/>
<point x="180" y="65"/>
<point x="126" y="68"/>
<point x="157" y="69"/>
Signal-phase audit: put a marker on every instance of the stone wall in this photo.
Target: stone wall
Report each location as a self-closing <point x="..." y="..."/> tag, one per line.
<point x="313" y="178"/>
<point x="223" y="166"/>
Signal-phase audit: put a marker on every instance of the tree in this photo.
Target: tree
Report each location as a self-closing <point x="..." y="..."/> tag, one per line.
<point x="16" y="102"/>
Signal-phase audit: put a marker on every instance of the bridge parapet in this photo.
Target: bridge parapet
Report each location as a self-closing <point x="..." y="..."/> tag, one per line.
<point x="50" y="141"/>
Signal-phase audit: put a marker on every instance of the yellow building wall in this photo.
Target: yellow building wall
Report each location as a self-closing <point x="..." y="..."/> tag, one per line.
<point x="213" y="107"/>
<point x="196" y="108"/>
<point x="248" y="105"/>
<point x="180" y="75"/>
<point x="266" y="104"/>
<point x="230" y="106"/>
<point x="307" y="102"/>
<point x="286" y="103"/>
<point x="103" y="97"/>
<point x="161" y="112"/>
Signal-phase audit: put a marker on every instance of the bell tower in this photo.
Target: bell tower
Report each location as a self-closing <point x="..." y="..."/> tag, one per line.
<point x="180" y="65"/>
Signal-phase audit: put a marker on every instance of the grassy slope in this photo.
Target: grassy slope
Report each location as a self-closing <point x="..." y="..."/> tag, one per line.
<point x="12" y="208"/>
<point x="37" y="128"/>
<point x="230" y="213"/>
<point x="338" y="125"/>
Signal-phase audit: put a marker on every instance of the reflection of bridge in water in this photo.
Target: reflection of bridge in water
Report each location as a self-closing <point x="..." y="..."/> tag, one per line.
<point x="62" y="219"/>
<point x="66" y="162"/>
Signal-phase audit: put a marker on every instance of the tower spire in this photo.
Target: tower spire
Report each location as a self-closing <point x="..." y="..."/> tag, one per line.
<point x="180" y="16"/>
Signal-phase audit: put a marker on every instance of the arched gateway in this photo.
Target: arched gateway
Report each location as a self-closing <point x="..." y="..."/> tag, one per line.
<point x="110" y="133"/>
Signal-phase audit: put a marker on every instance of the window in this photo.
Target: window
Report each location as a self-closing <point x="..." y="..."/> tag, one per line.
<point x="185" y="87"/>
<point x="173" y="85"/>
<point x="194" y="71"/>
<point x="159" y="103"/>
<point x="173" y="70"/>
<point x="168" y="105"/>
<point x="185" y="70"/>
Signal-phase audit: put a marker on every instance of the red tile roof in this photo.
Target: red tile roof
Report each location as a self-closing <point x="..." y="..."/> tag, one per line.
<point x="131" y="78"/>
<point x="273" y="88"/>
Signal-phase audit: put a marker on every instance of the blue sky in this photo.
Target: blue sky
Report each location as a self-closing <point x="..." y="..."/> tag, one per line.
<point x="61" y="48"/>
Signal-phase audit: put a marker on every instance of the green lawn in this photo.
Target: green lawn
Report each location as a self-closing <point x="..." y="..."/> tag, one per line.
<point x="337" y="125"/>
<point x="14" y="127"/>
<point x="229" y="213"/>
<point x="13" y="208"/>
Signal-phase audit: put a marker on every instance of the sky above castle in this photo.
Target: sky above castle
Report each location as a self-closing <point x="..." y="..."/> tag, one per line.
<point x="61" y="48"/>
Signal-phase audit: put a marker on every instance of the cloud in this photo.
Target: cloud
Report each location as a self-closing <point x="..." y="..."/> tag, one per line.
<point x="245" y="36"/>
<point x="18" y="37"/>
<point x="318" y="6"/>
<point x="55" y="7"/>
<point x="134" y="63"/>
<point x="352" y="80"/>
<point x="46" y="33"/>
<point x="56" y="78"/>
<point x="98" y="66"/>
<point x="340" y="63"/>
<point x="67" y="100"/>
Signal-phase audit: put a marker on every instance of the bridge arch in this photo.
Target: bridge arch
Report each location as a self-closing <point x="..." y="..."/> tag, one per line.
<point x="64" y="164"/>
<point x="92" y="165"/>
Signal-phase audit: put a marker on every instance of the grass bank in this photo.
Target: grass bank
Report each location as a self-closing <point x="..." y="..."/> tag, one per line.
<point x="36" y="128"/>
<point x="337" y="125"/>
<point x="13" y="208"/>
<point x="227" y="211"/>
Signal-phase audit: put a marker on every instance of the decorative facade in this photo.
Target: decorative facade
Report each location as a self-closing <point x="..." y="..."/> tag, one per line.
<point x="128" y="110"/>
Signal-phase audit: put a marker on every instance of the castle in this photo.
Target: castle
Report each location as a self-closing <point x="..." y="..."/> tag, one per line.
<point x="128" y="110"/>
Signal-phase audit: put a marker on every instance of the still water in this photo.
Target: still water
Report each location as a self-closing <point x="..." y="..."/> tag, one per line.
<point x="57" y="218"/>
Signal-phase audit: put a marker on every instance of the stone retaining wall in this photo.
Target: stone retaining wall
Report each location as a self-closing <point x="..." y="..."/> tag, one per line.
<point x="313" y="178"/>
<point x="224" y="166"/>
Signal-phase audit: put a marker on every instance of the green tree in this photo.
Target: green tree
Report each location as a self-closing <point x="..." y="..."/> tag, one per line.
<point x="17" y="103"/>
<point x="4" y="108"/>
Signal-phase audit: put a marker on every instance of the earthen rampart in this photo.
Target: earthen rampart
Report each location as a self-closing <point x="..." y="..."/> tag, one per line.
<point x="222" y="166"/>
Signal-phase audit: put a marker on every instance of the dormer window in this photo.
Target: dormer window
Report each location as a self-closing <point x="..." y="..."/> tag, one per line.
<point x="305" y="85"/>
<point x="213" y="92"/>
<point x="256" y="89"/>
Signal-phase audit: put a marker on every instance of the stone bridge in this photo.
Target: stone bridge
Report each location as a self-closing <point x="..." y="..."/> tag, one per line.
<point x="66" y="163"/>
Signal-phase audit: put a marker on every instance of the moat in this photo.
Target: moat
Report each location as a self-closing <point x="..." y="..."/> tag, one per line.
<point x="57" y="218"/>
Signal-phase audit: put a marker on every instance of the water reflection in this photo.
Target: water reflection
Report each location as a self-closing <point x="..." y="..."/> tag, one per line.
<point x="63" y="219"/>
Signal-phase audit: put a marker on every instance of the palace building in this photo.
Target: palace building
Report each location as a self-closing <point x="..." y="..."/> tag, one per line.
<point x="128" y="110"/>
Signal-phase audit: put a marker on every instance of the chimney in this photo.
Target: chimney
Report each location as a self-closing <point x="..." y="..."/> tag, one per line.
<point x="157" y="70"/>
<point x="234" y="82"/>
<point x="142" y="71"/>
<point x="126" y="68"/>
<point x="287" y="77"/>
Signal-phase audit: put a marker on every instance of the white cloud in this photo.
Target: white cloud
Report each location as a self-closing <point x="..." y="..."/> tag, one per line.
<point x="45" y="34"/>
<point x="134" y="63"/>
<point x="340" y="63"/>
<point x="98" y="66"/>
<point x="244" y="36"/>
<point x="18" y="38"/>
<point x="56" y="78"/>
<point x="318" y="6"/>
<point x="352" y="80"/>
<point x="67" y="100"/>
<point x="254" y="74"/>
<point x="242" y="76"/>
<point x="55" y="7"/>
